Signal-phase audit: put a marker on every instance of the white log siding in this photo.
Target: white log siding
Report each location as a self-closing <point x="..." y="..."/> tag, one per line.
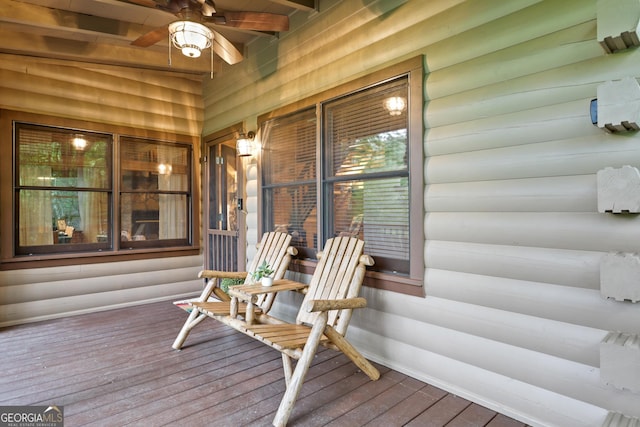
<point x="142" y="99"/>
<point x="513" y="316"/>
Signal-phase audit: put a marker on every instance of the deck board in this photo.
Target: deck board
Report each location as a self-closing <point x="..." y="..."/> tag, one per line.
<point x="117" y="368"/>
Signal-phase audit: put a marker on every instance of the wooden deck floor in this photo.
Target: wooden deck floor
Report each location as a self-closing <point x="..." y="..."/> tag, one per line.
<point x="117" y="368"/>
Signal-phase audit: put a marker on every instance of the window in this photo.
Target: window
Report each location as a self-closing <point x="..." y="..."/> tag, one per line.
<point x="351" y="165"/>
<point x="94" y="193"/>
<point x="63" y="192"/>
<point x="366" y="178"/>
<point x="155" y="193"/>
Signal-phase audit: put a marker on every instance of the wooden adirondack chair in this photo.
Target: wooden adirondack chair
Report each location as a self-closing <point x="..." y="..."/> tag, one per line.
<point x="322" y="320"/>
<point x="273" y="248"/>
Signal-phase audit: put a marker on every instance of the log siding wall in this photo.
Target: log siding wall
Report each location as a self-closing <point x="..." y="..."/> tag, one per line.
<point x="513" y="316"/>
<point x="140" y="99"/>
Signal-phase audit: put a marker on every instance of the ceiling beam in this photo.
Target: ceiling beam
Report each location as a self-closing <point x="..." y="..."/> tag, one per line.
<point x="304" y="5"/>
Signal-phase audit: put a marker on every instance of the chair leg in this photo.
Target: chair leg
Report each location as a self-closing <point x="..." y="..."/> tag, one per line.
<point x="302" y="367"/>
<point x="351" y="352"/>
<point x="195" y="316"/>
<point x="288" y="369"/>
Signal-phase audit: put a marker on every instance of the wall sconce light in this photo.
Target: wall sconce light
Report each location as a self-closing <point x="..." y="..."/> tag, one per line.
<point x="244" y="143"/>
<point x="395" y="105"/>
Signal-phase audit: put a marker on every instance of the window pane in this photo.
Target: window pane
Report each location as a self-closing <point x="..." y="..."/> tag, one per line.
<point x="289" y="179"/>
<point x="293" y="209"/>
<point x="290" y="149"/>
<point x="376" y="211"/>
<point x="50" y="217"/>
<point x="149" y="166"/>
<point x="50" y="157"/>
<point x="363" y="136"/>
<point x="385" y="151"/>
<point x="153" y="217"/>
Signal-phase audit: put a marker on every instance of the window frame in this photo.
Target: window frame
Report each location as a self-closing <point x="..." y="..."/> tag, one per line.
<point x="412" y="283"/>
<point x="10" y="260"/>
<point x="329" y="178"/>
<point x="51" y="249"/>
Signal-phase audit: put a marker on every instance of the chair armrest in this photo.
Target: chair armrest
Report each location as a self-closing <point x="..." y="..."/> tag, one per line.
<point x="211" y="274"/>
<point x="340" y="304"/>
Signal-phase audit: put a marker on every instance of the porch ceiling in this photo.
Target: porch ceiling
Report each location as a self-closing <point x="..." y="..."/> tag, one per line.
<point x="101" y="31"/>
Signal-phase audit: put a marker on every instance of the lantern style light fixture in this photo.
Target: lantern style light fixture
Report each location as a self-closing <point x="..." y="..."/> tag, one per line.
<point x="244" y="144"/>
<point x="395" y="105"/>
<point x="190" y="37"/>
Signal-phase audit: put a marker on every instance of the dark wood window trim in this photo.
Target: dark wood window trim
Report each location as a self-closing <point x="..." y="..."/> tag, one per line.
<point x="9" y="261"/>
<point x="411" y="284"/>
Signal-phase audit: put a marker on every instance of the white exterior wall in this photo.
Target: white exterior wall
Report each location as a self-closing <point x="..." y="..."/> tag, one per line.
<point x="513" y="316"/>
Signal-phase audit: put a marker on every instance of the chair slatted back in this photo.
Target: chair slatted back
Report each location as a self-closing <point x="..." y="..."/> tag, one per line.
<point x="338" y="275"/>
<point x="273" y="249"/>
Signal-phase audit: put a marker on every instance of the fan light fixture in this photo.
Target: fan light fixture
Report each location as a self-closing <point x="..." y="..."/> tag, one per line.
<point x="190" y="37"/>
<point x="395" y="105"/>
<point x="244" y="144"/>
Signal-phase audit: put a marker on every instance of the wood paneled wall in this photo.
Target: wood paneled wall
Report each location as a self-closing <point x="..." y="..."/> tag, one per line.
<point x="513" y="316"/>
<point x="143" y="99"/>
<point x="140" y="99"/>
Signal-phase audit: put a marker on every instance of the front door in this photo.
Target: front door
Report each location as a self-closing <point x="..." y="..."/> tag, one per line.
<point x="224" y="246"/>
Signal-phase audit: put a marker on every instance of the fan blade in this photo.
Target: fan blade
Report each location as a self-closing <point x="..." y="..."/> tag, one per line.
<point x="225" y="49"/>
<point x="152" y="37"/>
<point x="147" y="3"/>
<point x="258" y="21"/>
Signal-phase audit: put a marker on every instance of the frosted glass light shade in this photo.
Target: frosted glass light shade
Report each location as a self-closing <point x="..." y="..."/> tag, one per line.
<point x="190" y="37"/>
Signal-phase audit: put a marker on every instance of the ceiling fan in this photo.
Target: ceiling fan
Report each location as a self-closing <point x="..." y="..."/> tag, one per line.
<point x="195" y="18"/>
